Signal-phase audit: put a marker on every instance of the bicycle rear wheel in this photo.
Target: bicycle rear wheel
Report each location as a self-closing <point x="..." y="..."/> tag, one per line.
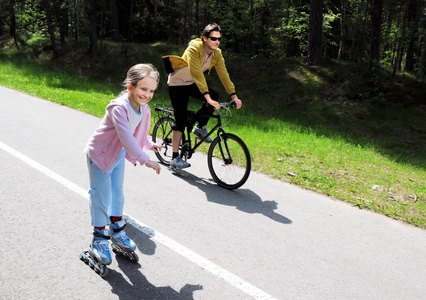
<point x="229" y="161"/>
<point x="162" y="134"/>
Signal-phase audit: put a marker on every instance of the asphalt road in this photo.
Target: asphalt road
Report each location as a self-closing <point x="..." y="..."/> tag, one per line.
<point x="266" y="240"/>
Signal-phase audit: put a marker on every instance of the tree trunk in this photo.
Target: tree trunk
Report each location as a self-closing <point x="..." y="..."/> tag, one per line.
<point x="61" y="15"/>
<point x="12" y="29"/>
<point x="422" y="45"/>
<point x="74" y="22"/>
<point x="413" y="20"/>
<point x="93" y="29"/>
<point x="344" y="4"/>
<point x="129" y="29"/>
<point x="400" y="47"/>
<point x="50" y="28"/>
<point x="1" y="25"/>
<point x="197" y="19"/>
<point x="113" y="8"/>
<point x="388" y="20"/>
<point x="315" y="33"/>
<point x="376" y="31"/>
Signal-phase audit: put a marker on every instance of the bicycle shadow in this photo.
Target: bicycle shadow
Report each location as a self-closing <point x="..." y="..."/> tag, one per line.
<point x="131" y="283"/>
<point x="244" y="200"/>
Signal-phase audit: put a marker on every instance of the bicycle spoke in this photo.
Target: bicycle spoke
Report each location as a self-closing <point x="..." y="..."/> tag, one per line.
<point x="162" y="134"/>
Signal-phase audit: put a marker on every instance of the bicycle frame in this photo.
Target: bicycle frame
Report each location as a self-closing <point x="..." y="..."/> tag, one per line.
<point x="187" y="137"/>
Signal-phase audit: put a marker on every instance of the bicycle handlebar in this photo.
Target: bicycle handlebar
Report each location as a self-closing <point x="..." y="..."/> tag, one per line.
<point x="228" y="104"/>
<point x="222" y="105"/>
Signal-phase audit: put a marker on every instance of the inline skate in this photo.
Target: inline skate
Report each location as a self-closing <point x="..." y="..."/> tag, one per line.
<point x="121" y="244"/>
<point x="98" y="256"/>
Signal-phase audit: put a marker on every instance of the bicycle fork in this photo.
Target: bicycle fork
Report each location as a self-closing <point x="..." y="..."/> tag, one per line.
<point x="223" y="147"/>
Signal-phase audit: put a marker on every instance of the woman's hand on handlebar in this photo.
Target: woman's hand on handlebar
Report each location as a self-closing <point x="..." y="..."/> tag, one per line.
<point x="237" y="101"/>
<point x="210" y="101"/>
<point x="215" y="104"/>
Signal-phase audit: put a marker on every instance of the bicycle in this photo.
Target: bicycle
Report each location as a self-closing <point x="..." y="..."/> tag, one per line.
<point x="228" y="157"/>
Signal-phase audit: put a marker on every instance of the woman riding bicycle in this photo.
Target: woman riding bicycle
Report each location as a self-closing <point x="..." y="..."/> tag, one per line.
<point x="186" y="79"/>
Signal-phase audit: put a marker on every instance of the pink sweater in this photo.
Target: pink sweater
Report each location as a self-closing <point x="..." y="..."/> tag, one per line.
<point x="114" y="133"/>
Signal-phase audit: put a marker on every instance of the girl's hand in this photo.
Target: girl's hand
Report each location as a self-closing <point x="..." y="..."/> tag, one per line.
<point x="154" y="165"/>
<point x="156" y="147"/>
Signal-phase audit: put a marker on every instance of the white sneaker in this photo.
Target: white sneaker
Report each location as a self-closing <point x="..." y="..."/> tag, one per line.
<point x="201" y="133"/>
<point x="179" y="163"/>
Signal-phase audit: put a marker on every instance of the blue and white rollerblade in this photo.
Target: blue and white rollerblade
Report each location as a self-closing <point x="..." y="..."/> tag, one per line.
<point x="98" y="256"/>
<point x="121" y="244"/>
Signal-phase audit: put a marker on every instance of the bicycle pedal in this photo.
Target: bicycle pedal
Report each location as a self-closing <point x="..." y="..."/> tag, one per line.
<point x="174" y="169"/>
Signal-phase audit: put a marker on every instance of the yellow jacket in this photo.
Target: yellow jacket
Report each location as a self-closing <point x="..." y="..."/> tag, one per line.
<point x="193" y="57"/>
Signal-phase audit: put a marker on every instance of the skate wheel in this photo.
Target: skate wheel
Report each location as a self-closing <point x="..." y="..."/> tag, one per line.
<point x="83" y="257"/>
<point x="103" y="272"/>
<point x="133" y="257"/>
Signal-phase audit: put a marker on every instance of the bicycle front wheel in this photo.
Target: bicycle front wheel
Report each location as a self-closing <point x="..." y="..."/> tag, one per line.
<point x="162" y="134"/>
<point x="229" y="161"/>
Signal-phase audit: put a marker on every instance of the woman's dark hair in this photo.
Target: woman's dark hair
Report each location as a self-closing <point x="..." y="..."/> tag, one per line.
<point x="209" y="28"/>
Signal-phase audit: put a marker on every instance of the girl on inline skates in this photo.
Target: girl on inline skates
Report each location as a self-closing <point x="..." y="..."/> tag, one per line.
<point x="123" y="133"/>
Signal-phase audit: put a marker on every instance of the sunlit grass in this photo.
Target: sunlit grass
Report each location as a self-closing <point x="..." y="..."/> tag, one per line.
<point x="61" y="88"/>
<point x="333" y="166"/>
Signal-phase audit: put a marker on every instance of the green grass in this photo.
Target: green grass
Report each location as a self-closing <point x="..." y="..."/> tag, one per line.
<point x="336" y="129"/>
<point x="61" y="88"/>
<point x="358" y="174"/>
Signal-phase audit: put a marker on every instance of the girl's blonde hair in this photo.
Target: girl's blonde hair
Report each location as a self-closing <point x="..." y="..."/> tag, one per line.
<point x="139" y="72"/>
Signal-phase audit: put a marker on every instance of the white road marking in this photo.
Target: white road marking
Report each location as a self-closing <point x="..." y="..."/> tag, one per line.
<point x="202" y="262"/>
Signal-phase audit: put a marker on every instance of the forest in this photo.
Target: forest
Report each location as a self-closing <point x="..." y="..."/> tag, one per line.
<point x="391" y="33"/>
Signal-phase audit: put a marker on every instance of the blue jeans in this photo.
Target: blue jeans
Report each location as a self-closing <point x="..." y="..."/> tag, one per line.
<point x="106" y="191"/>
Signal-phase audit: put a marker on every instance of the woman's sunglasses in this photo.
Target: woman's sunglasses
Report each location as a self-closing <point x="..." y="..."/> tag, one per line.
<point x="214" y="39"/>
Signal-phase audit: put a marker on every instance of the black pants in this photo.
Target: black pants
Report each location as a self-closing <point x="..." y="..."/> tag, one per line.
<point x="179" y="95"/>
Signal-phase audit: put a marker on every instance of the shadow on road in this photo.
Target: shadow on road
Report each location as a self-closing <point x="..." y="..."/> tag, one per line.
<point x="244" y="200"/>
<point x="140" y="288"/>
<point x="130" y="283"/>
